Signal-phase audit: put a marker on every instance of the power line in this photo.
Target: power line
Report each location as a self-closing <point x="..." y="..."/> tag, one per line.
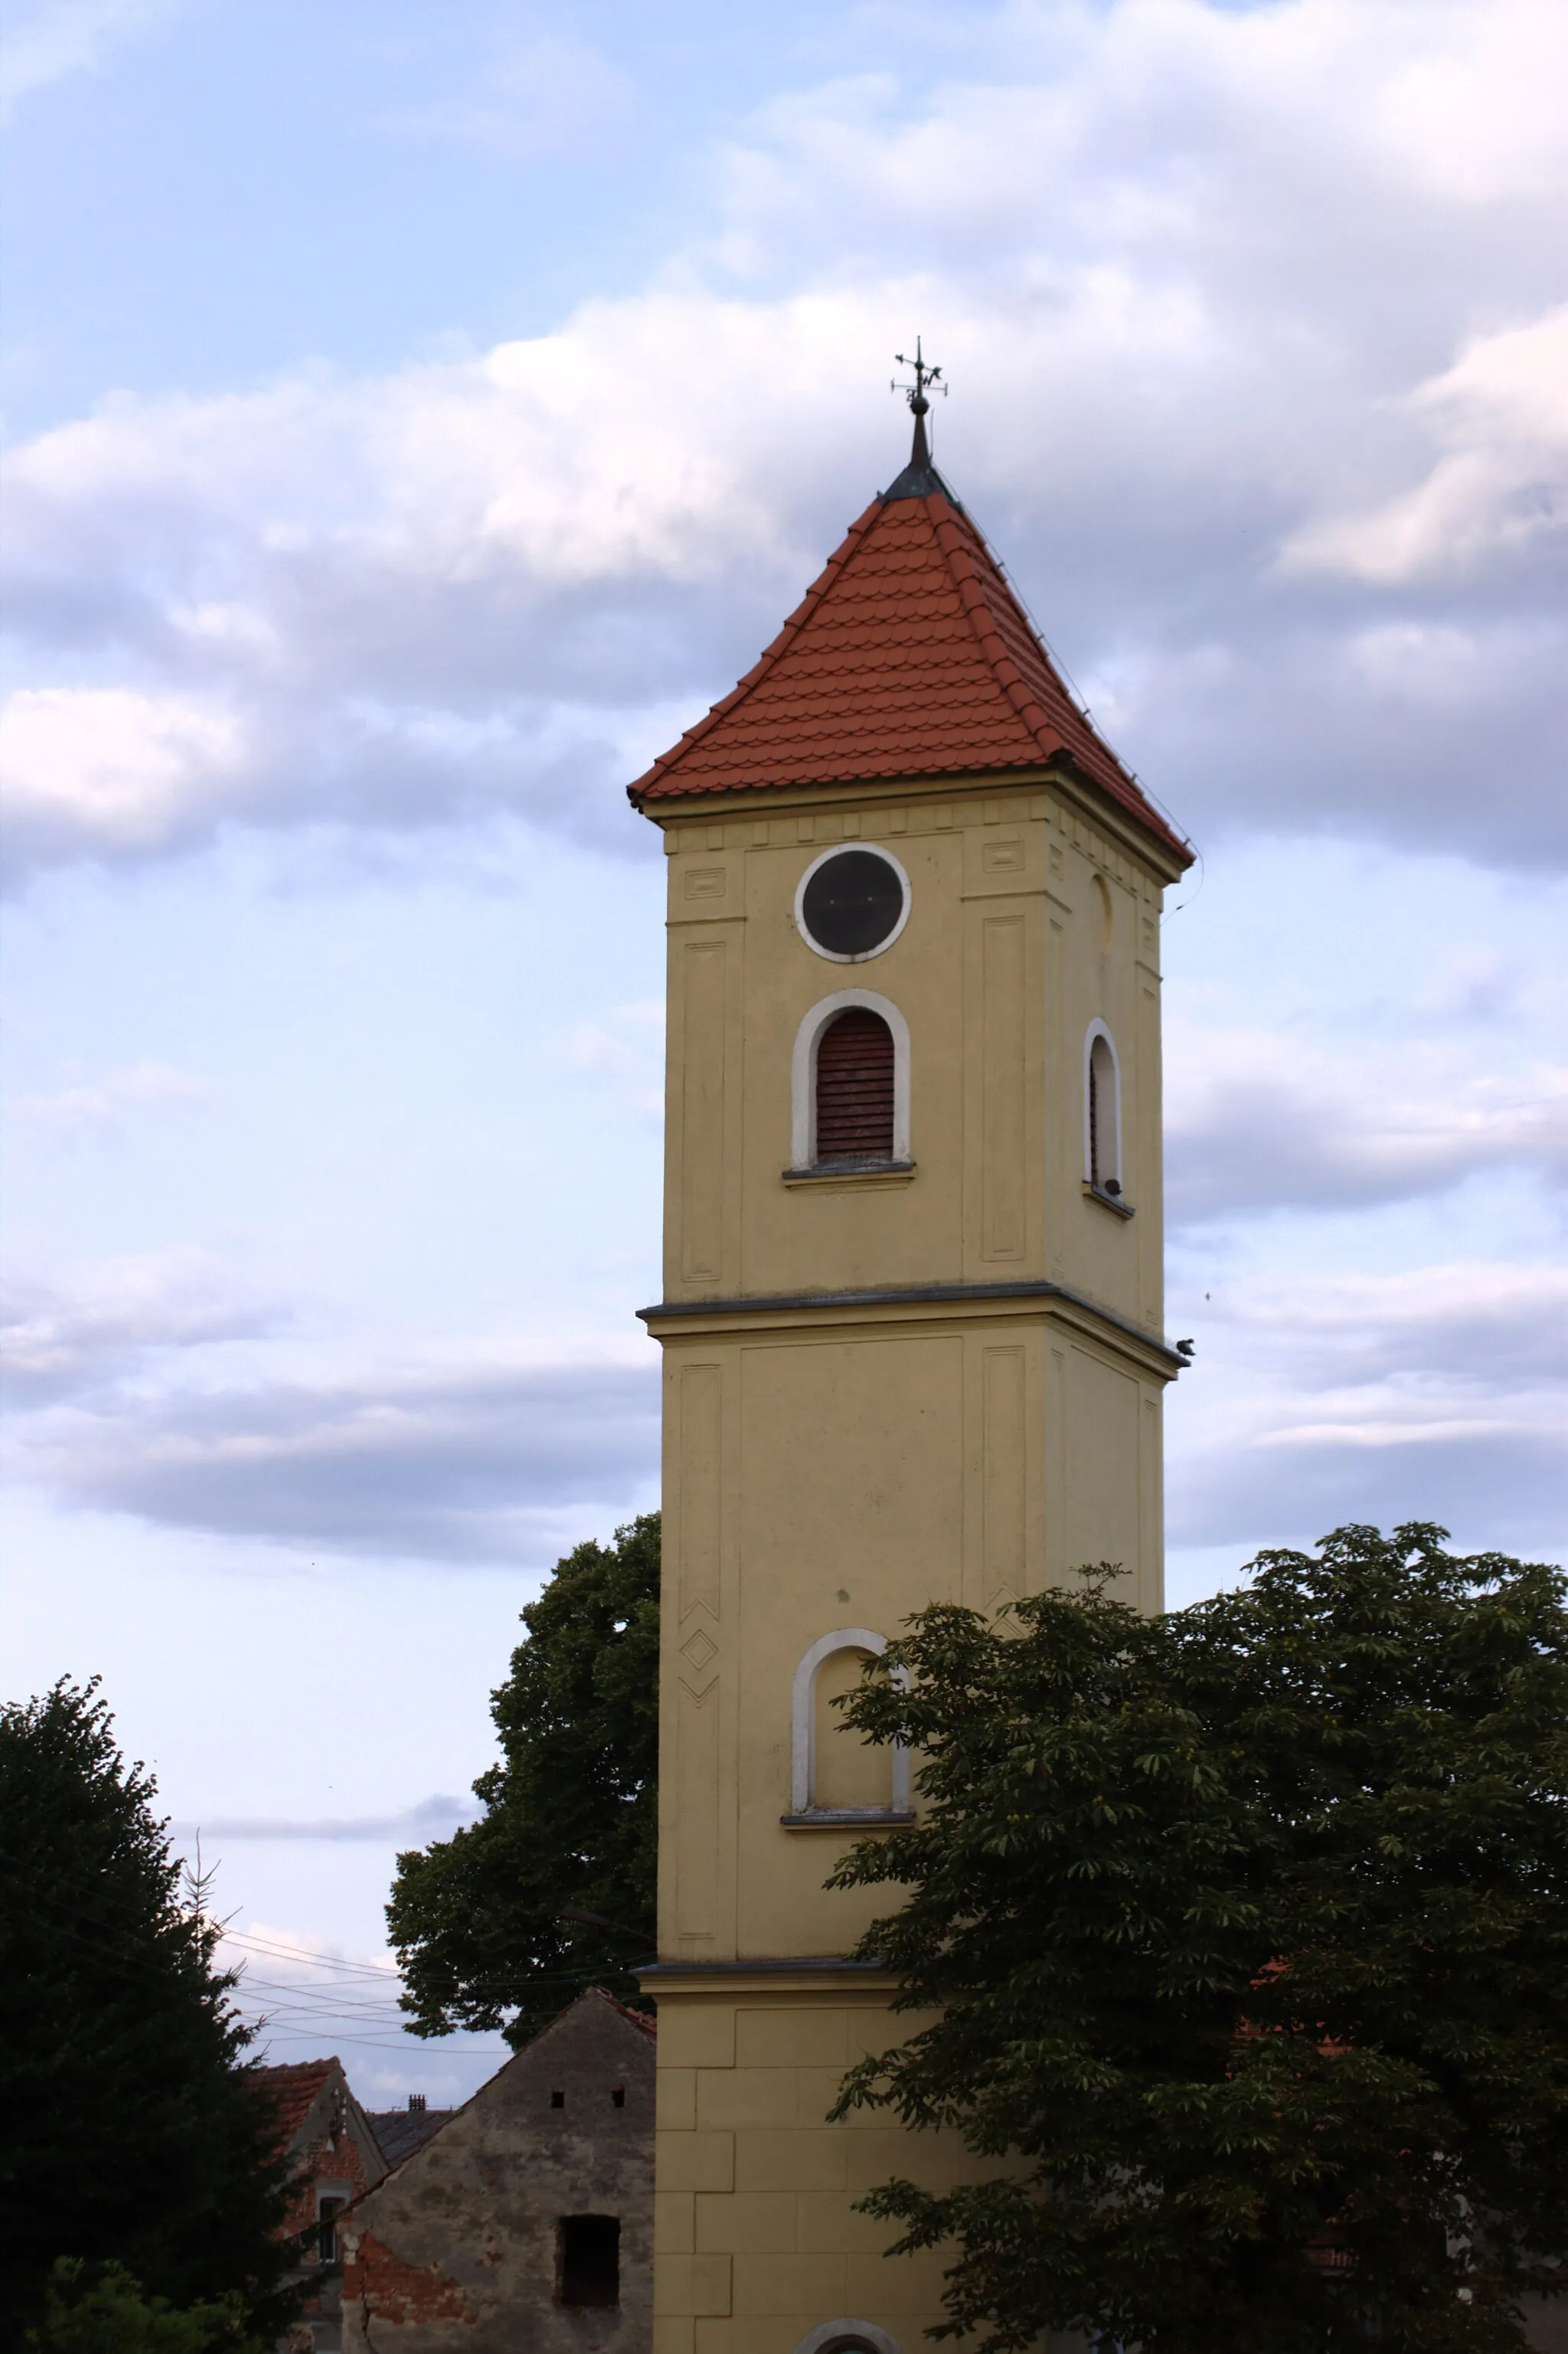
<point x="506" y="1989"/>
<point x="375" y="1971"/>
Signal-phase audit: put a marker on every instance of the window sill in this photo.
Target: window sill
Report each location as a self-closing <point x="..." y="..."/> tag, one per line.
<point x="848" y="1818"/>
<point x="1108" y="1201"/>
<point x="834" y="1176"/>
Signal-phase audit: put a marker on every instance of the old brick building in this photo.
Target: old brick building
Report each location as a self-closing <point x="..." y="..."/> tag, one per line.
<point x="526" y="2222"/>
<point x="336" y="2158"/>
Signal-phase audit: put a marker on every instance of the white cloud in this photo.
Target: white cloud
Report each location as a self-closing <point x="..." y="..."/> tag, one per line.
<point x="553" y="95"/>
<point x="47" y="39"/>
<point x="1346" y="1029"/>
<point x="1500" y="414"/>
<point x="80" y="1336"/>
<point x="1470" y="1317"/>
<point x="431" y="1819"/>
<point x="118" y="767"/>
<point x="1367" y="1143"/>
<point x="627" y="1049"/>
<point x="1207" y="303"/>
<point x="1261" y="1117"/>
<point x="478" y="1453"/>
<point x="1436" y="1392"/>
<point x="85" y="1109"/>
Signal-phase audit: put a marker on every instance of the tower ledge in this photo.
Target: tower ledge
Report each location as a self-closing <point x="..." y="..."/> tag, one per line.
<point x="947" y="1299"/>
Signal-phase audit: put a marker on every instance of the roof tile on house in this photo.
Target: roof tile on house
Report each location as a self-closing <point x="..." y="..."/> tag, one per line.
<point x="400" y="2131"/>
<point x="294" y="2086"/>
<point x="642" y="2018"/>
<point x="910" y="657"/>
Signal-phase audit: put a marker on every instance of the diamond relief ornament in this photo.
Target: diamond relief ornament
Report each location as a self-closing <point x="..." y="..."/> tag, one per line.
<point x="698" y="1649"/>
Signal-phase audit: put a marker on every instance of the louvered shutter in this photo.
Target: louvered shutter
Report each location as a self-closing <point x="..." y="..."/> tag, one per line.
<point x="855" y="1089"/>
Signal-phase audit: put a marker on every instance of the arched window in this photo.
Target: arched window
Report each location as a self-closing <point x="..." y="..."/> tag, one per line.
<point x="833" y="1777"/>
<point x="847" y="2337"/>
<point x="1106" y="925"/>
<point x="1102" y="1112"/>
<point x="851" y="1085"/>
<point x="855" y="1089"/>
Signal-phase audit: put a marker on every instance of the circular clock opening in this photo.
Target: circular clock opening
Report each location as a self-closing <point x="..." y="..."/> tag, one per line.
<point x="853" y="902"/>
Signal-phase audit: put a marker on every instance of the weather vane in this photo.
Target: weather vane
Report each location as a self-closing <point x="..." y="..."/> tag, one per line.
<point x="928" y="379"/>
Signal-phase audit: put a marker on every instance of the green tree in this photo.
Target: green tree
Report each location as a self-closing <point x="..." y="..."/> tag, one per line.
<point x="571" y="1814"/>
<point x="1247" y="1931"/>
<point x="129" y="2129"/>
<point x="101" y="2309"/>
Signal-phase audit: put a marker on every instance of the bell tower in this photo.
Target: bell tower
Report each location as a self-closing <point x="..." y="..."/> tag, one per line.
<point x="911" y="1327"/>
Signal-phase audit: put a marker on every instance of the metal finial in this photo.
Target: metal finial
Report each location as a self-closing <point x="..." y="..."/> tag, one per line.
<point x="916" y="394"/>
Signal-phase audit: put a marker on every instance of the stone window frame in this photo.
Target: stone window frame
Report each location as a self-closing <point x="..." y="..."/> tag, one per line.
<point x="858" y="956"/>
<point x="829" y="2336"/>
<point x="339" y="2191"/>
<point x="1095" y="1178"/>
<point x="803" y="1074"/>
<point x="803" y="1809"/>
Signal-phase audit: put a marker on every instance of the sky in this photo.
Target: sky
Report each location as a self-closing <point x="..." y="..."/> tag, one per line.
<point x="415" y="416"/>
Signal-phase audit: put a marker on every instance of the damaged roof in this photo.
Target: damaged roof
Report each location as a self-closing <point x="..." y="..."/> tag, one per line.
<point x="294" y="2086"/>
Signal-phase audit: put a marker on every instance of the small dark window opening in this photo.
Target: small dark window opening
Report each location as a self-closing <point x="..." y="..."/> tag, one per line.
<point x="326" y="2229"/>
<point x="618" y="2098"/>
<point x="558" y="2100"/>
<point x="853" y="902"/>
<point x="1104" y="1171"/>
<point x="589" y="2259"/>
<point x="855" y="1089"/>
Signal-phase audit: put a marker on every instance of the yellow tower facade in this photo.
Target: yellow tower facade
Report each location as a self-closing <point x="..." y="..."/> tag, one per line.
<point x="911" y="1329"/>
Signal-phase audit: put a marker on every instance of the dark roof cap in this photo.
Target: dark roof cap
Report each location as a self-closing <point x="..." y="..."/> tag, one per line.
<point x="918" y="481"/>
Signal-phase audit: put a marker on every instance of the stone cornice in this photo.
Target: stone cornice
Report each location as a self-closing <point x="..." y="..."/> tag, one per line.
<point x="915" y="1302"/>
<point x="833" y="1974"/>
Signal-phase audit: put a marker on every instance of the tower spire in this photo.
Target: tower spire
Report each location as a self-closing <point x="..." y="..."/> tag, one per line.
<point x="920" y="455"/>
<point x="919" y="476"/>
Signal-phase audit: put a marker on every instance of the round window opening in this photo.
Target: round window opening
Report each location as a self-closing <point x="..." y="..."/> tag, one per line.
<point x="853" y="904"/>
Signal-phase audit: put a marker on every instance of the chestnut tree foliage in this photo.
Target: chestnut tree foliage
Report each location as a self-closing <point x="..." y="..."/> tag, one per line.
<point x="1246" y="1933"/>
<point x="570" y="1814"/>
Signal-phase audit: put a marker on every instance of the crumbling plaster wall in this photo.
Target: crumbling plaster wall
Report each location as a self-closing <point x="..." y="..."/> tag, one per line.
<point x="457" y="2249"/>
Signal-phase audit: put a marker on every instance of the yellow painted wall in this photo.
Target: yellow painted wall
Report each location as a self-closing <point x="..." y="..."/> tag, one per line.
<point x="986" y="1420"/>
<point x="757" y="2241"/>
<point x="1003" y="963"/>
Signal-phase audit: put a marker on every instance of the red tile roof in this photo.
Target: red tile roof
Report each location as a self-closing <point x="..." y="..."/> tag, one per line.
<point x="633" y="2017"/>
<point x="910" y="657"/>
<point x="294" y="2087"/>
